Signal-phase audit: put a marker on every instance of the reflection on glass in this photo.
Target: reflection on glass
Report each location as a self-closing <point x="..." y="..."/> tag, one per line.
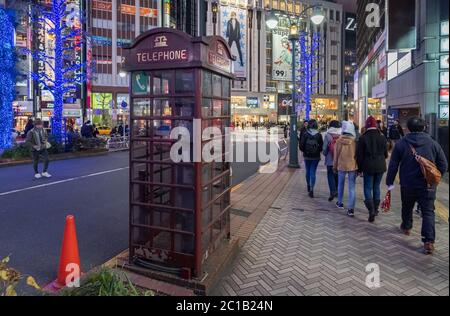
<point x="184" y="81"/>
<point x="206" y="107"/>
<point x="217" y="107"/>
<point x="207" y="87"/>
<point x="161" y="128"/>
<point x="142" y="107"/>
<point x="140" y="128"/>
<point x="184" y="107"/>
<point x="226" y="108"/>
<point x="161" y="82"/>
<point x="225" y="87"/>
<point x="162" y="107"/>
<point x="217" y="86"/>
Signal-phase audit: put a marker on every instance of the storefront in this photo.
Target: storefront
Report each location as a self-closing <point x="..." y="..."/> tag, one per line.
<point x="250" y="110"/>
<point x="23" y="111"/>
<point x="325" y="109"/>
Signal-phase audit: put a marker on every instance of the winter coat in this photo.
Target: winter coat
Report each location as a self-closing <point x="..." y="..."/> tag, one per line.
<point x="332" y="133"/>
<point x="345" y="154"/>
<point x="372" y="152"/>
<point x="33" y="138"/>
<point x="410" y="174"/>
<point x="395" y="132"/>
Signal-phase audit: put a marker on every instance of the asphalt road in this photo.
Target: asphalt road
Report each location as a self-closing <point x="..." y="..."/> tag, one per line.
<point x="94" y="189"/>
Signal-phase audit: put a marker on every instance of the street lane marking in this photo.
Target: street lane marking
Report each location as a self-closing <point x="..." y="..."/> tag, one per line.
<point x="441" y="211"/>
<point x="63" y="181"/>
<point x="237" y="186"/>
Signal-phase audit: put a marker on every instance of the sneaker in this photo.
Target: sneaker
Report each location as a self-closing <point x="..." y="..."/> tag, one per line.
<point x="46" y="175"/>
<point x="351" y="213"/>
<point x="340" y="205"/>
<point x="37" y="176"/>
<point x="429" y="248"/>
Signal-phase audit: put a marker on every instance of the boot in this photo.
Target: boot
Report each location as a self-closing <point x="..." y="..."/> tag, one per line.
<point x="376" y="204"/>
<point x="311" y="194"/>
<point x="371" y="208"/>
<point x="309" y="188"/>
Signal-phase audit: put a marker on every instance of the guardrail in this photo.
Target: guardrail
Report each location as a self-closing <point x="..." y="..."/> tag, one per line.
<point x="116" y="143"/>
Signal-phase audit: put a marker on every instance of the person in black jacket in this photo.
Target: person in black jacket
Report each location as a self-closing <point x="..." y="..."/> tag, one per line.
<point x="311" y="143"/>
<point x="371" y="155"/>
<point x="396" y="132"/>
<point x="414" y="187"/>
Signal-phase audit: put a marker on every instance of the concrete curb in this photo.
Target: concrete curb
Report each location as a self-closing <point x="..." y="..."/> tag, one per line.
<point x="55" y="158"/>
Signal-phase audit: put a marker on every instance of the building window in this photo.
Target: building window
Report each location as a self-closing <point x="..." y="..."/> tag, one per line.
<point x="332" y="15"/>
<point x="338" y="16"/>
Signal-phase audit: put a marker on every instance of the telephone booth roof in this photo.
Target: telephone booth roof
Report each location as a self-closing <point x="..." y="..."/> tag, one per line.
<point x="166" y="48"/>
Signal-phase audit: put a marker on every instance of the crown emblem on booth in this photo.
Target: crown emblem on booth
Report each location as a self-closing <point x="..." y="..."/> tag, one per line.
<point x="161" y="41"/>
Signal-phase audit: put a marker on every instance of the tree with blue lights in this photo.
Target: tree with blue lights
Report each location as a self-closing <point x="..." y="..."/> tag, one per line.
<point x="7" y="79"/>
<point x="60" y="19"/>
<point x="307" y="70"/>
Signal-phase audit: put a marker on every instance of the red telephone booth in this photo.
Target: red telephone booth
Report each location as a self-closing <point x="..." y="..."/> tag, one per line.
<point x="179" y="211"/>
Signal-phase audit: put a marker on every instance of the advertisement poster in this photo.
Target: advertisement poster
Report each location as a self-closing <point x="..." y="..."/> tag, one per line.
<point x="282" y="55"/>
<point x="234" y="30"/>
<point x="284" y="104"/>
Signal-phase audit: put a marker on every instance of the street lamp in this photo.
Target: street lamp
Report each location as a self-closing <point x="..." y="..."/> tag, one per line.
<point x="316" y="18"/>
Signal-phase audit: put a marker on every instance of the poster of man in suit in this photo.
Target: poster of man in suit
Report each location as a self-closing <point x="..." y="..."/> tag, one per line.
<point x="234" y="30"/>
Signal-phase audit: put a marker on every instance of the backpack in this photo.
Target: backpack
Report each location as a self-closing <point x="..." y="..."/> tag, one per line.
<point x="430" y="172"/>
<point x="312" y="147"/>
<point x="332" y="144"/>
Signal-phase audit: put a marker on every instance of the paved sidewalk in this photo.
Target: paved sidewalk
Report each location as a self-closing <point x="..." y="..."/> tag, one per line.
<point x="309" y="247"/>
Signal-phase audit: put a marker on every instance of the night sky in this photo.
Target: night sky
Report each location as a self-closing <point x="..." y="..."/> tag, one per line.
<point x="349" y="5"/>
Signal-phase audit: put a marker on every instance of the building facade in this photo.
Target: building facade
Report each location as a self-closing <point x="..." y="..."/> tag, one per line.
<point x="262" y="90"/>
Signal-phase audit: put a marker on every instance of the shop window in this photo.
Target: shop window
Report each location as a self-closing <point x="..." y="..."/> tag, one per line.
<point x="184" y="81"/>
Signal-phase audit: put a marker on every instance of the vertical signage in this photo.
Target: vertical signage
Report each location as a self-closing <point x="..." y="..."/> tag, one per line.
<point x="234" y="30"/>
<point x="281" y="54"/>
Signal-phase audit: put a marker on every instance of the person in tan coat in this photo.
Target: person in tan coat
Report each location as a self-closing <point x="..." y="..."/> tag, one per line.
<point x="344" y="163"/>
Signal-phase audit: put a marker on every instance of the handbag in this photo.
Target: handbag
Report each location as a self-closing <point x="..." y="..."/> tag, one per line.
<point x="430" y="172"/>
<point x="48" y="145"/>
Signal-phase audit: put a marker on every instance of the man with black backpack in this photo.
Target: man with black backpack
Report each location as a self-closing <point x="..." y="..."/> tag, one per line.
<point x="414" y="185"/>
<point x="311" y="144"/>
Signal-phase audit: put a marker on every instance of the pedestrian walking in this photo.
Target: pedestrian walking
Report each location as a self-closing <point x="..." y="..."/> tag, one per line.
<point x="413" y="184"/>
<point x="311" y="144"/>
<point x="395" y="132"/>
<point x="38" y="139"/>
<point x="371" y="155"/>
<point x="87" y="130"/>
<point x="344" y="163"/>
<point x="28" y="128"/>
<point x="329" y="144"/>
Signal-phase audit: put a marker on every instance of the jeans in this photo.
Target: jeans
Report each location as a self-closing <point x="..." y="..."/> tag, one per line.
<point x="311" y="168"/>
<point x="36" y="156"/>
<point x="332" y="180"/>
<point x="425" y="198"/>
<point x="351" y="187"/>
<point x="372" y="183"/>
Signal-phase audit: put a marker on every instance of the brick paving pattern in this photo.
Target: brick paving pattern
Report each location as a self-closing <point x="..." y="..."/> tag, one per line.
<point x="309" y="247"/>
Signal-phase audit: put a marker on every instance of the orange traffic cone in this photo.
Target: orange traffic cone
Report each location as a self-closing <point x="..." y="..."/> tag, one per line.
<point x="69" y="263"/>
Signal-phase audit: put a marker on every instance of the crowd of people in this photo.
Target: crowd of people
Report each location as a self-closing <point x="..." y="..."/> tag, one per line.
<point x="349" y="154"/>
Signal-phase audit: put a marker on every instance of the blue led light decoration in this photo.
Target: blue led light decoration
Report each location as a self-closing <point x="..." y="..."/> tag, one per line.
<point x="307" y="71"/>
<point x="61" y="20"/>
<point x="7" y="79"/>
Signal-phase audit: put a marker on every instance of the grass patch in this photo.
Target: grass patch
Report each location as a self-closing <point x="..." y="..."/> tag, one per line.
<point x="106" y="282"/>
